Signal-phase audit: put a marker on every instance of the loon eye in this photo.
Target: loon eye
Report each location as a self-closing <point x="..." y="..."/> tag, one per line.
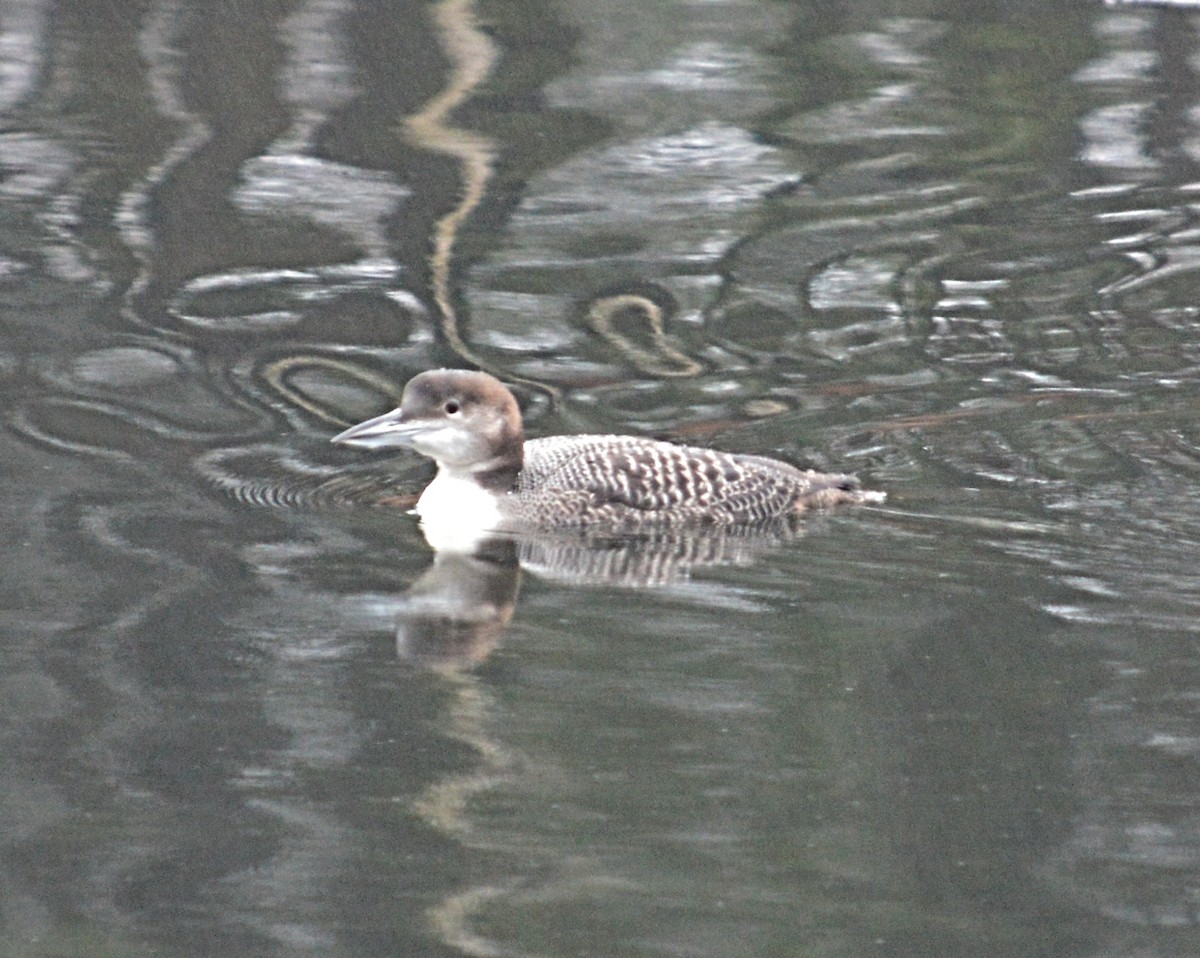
<point x="451" y="407"/>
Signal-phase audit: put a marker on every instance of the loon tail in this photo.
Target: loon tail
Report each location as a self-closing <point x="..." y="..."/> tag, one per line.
<point x="825" y="490"/>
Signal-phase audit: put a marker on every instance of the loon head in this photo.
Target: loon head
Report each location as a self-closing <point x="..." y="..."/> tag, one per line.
<point x="467" y="422"/>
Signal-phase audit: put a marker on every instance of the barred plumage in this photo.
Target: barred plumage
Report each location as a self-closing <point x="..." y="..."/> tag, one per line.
<point x="628" y="482"/>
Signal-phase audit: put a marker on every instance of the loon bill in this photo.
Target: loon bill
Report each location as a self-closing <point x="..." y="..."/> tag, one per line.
<point x="489" y="476"/>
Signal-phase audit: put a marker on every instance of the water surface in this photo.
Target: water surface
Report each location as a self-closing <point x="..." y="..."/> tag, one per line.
<point x="951" y="247"/>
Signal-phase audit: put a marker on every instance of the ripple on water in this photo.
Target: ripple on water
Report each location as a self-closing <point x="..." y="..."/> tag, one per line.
<point x="115" y="430"/>
<point x="121" y="391"/>
<point x="123" y="367"/>
<point x="279" y="476"/>
<point x="334" y="389"/>
<point x="357" y="304"/>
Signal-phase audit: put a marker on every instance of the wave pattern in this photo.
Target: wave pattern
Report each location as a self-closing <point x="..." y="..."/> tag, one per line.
<point x="820" y="233"/>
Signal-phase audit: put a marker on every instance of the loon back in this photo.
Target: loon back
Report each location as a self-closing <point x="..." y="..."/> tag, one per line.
<point x="628" y="481"/>
<point x="469" y="423"/>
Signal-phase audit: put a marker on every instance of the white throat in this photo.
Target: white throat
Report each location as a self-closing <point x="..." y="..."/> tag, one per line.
<point x="456" y="511"/>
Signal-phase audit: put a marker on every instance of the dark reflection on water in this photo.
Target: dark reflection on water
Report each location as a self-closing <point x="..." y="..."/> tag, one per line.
<point x="949" y="247"/>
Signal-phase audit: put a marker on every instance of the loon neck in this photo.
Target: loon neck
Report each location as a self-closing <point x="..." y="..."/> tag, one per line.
<point x="498" y="475"/>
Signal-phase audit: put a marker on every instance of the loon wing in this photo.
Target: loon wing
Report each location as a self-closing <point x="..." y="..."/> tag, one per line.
<point x="678" y="482"/>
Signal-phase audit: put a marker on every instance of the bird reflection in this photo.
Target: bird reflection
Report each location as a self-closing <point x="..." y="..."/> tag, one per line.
<point x="455" y="613"/>
<point x="650" y="560"/>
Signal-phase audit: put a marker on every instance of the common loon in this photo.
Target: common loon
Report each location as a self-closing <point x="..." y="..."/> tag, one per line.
<point x="489" y="476"/>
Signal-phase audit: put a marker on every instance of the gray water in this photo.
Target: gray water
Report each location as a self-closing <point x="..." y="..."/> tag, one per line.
<point x="952" y="247"/>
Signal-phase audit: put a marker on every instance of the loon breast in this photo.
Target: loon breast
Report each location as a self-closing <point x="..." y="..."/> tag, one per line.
<point x="470" y="425"/>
